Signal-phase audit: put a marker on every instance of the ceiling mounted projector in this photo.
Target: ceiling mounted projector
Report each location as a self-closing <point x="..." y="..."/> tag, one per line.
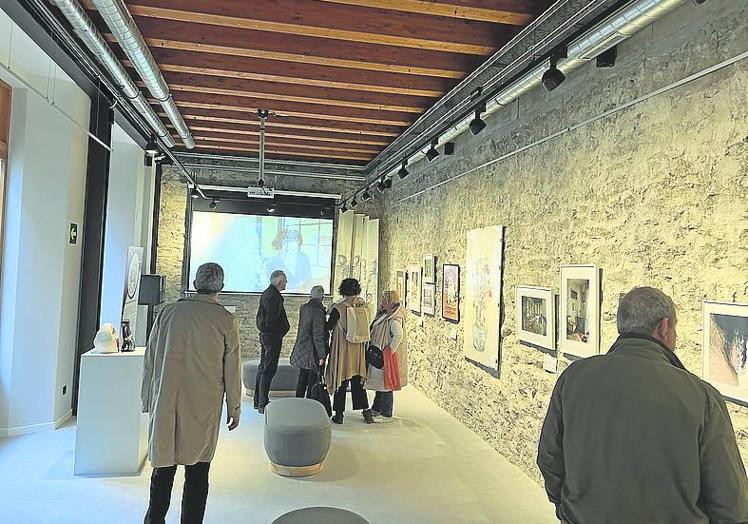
<point x="260" y="192"/>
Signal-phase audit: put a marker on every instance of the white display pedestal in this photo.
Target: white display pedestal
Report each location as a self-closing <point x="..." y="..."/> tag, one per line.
<point x="112" y="434"/>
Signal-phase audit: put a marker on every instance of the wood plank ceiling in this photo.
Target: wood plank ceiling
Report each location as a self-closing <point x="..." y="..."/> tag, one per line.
<point x="342" y="78"/>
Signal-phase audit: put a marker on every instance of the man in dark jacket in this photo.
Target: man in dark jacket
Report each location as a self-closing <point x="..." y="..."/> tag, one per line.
<point x="632" y="437"/>
<point x="272" y="323"/>
<point x="310" y="350"/>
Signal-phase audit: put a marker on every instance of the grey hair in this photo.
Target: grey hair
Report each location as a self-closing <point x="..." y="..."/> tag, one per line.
<point x="209" y="278"/>
<point x="318" y="293"/>
<point x="275" y="276"/>
<point x="642" y="308"/>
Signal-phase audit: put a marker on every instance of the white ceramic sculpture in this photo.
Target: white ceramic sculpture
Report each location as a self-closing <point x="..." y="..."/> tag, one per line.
<point x="106" y="340"/>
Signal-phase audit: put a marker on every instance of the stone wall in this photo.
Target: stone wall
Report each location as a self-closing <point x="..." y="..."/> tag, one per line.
<point x="171" y="245"/>
<point x="654" y="195"/>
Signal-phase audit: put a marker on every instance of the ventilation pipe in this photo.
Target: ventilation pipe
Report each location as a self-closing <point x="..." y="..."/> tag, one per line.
<point x="90" y="36"/>
<point x="120" y="22"/>
<point x="613" y="30"/>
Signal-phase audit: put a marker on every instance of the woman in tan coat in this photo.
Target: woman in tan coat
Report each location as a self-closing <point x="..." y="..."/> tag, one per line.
<point x="388" y="333"/>
<point x="347" y="362"/>
<point x="191" y="361"/>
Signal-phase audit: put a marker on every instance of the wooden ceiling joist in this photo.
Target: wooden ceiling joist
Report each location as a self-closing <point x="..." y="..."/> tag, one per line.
<point x="227" y="129"/>
<point x="281" y="153"/>
<point x="275" y="143"/>
<point x="341" y="22"/>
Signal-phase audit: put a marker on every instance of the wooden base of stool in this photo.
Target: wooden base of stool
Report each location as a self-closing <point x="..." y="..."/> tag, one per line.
<point x="295" y="471"/>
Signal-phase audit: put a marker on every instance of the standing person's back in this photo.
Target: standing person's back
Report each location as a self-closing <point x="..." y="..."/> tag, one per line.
<point x="632" y="437"/>
<point x="192" y="360"/>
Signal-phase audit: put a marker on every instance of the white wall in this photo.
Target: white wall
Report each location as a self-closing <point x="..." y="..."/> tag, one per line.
<point x="41" y="270"/>
<point x="128" y="222"/>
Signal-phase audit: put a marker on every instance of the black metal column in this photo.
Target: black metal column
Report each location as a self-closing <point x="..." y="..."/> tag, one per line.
<point x="94" y="222"/>
<point x="154" y="240"/>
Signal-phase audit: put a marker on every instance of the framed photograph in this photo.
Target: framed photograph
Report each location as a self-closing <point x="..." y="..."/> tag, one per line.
<point x="726" y="349"/>
<point x="414" y="289"/>
<point x="428" y="304"/>
<point x="451" y="293"/>
<point x="536" y="316"/>
<point x="580" y="311"/>
<point x="401" y="286"/>
<point x="483" y="315"/>
<point x="429" y="269"/>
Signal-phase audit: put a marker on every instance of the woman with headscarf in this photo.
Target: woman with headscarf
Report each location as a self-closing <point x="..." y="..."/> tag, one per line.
<point x="388" y="334"/>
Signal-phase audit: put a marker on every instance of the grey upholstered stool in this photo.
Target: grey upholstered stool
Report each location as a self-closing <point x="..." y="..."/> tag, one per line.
<point x="320" y="515"/>
<point x="297" y="436"/>
<point x="284" y="380"/>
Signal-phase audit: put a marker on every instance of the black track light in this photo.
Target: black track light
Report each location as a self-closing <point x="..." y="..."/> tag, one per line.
<point x="366" y="196"/>
<point x="381" y="186"/>
<point x="194" y="193"/>
<point x="343" y="208"/>
<point x="554" y="77"/>
<point x="354" y="202"/>
<point x="151" y="148"/>
<point x="432" y="153"/>
<point x="387" y="183"/>
<point x="477" y="124"/>
<point x="403" y="171"/>
<point x="213" y="203"/>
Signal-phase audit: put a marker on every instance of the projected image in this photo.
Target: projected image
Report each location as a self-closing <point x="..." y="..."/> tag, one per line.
<point x="251" y="247"/>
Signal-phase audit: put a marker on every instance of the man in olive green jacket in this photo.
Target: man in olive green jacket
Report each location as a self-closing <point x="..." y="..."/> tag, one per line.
<point x="632" y="437"/>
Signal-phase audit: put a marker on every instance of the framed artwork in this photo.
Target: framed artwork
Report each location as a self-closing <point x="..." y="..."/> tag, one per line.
<point x="580" y="311"/>
<point x="725" y="352"/>
<point x="428" y="304"/>
<point x="414" y="288"/>
<point x="536" y="317"/>
<point x="401" y="286"/>
<point x="485" y="262"/>
<point x="429" y="269"/>
<point x="451" y="293"/>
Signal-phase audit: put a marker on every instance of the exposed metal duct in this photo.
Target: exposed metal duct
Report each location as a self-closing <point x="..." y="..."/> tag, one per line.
<point x="613" y="30"/>
<point x="120" y="22"/>
<point x="90" y="36"/>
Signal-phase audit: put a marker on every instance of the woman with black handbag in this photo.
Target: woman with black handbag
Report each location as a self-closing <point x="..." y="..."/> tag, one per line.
<point x="388" y="335"/>
<point x="311" y="347"/>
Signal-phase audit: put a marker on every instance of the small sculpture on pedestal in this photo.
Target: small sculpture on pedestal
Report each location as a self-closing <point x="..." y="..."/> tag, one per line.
<point x="106" y="340"/>
<point x="127" y="342"/>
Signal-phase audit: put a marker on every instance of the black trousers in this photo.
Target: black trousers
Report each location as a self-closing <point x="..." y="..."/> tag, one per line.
<point x="383" y="402"/>
<point x="194" y="496"/>
<point x="270" y="348"/>
<point x="358" y="395"/>
<point x="307" y="378"/>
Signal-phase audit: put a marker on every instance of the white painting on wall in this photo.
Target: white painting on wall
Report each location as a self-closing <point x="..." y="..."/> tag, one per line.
<point x="726" y="348"/>
<point x="414" y="289"/>
<point x="485" y="261"/>
<point x="580" y="311"/>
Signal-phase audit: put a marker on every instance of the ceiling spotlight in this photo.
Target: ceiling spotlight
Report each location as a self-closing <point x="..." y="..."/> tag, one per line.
<point x="354" y="203"/>
<point x="151" y="148"/>
<point x="403" y="171"/>
<point x="388" y="183"/>
<point x="366" y="196"/>
<point x="272" y="208"/>
<point x="194" y="193"/>
<point x="477" y="124"/>
<point x="449" y="148"/>
<point x="432" y="153"/>
<point x="260" y="183"/>
<point x="343" y="208"/>
<point x="381" y="186"/>
<point x="554" y="77"/>
<point x="213" y="203"/>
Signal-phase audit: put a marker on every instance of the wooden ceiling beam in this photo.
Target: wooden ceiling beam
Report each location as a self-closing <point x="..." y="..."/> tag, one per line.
<point x="301" y="74"/>
<point x="295" y="123"/>
<point x="281" y="154"/>
<point x="502" y="12"/>
<point x="233" y="129"/>
<point x="251" y="105"/>
<point x="337" y="22"/>
<point x="271" y="143"/>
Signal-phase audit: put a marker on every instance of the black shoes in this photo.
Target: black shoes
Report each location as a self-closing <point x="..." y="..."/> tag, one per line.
<point x="367" y="416"/>
<point x="337" y="418"/>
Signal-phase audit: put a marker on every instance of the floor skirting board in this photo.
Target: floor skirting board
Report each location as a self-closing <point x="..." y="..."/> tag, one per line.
<point x="36" y="428"/>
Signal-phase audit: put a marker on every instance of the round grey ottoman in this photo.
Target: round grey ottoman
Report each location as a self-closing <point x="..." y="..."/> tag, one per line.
<point x="297" y="436"/>
<point x="320" y="515"/>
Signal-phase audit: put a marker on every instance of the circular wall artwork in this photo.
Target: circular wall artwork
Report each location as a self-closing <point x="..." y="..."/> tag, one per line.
<point x="133" y="275"/>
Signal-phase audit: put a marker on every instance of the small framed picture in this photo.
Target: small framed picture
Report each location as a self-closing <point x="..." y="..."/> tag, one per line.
<point x="429" y="269"/>
<point x="401" y="286"/>
<point x="451" y="293"/>
<point x="536" y="316"/>
<point x="414" y="289"/>
<point x="725" y="351"/>
<point x="428" y="304"/>
<point x="580" y="311"/>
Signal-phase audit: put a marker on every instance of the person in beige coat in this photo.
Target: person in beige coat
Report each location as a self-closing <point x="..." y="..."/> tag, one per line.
<point x="192" y="360"/>
<point x="388" y="334"/>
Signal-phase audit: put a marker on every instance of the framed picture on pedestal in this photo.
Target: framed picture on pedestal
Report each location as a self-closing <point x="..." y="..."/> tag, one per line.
<point x="725" y="353"/>
<point x="580" y="311"/>
<point x="536" y="315"/>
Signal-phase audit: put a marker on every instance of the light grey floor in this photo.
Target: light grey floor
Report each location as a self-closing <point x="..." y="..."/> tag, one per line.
<point x="421" y="467"/>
